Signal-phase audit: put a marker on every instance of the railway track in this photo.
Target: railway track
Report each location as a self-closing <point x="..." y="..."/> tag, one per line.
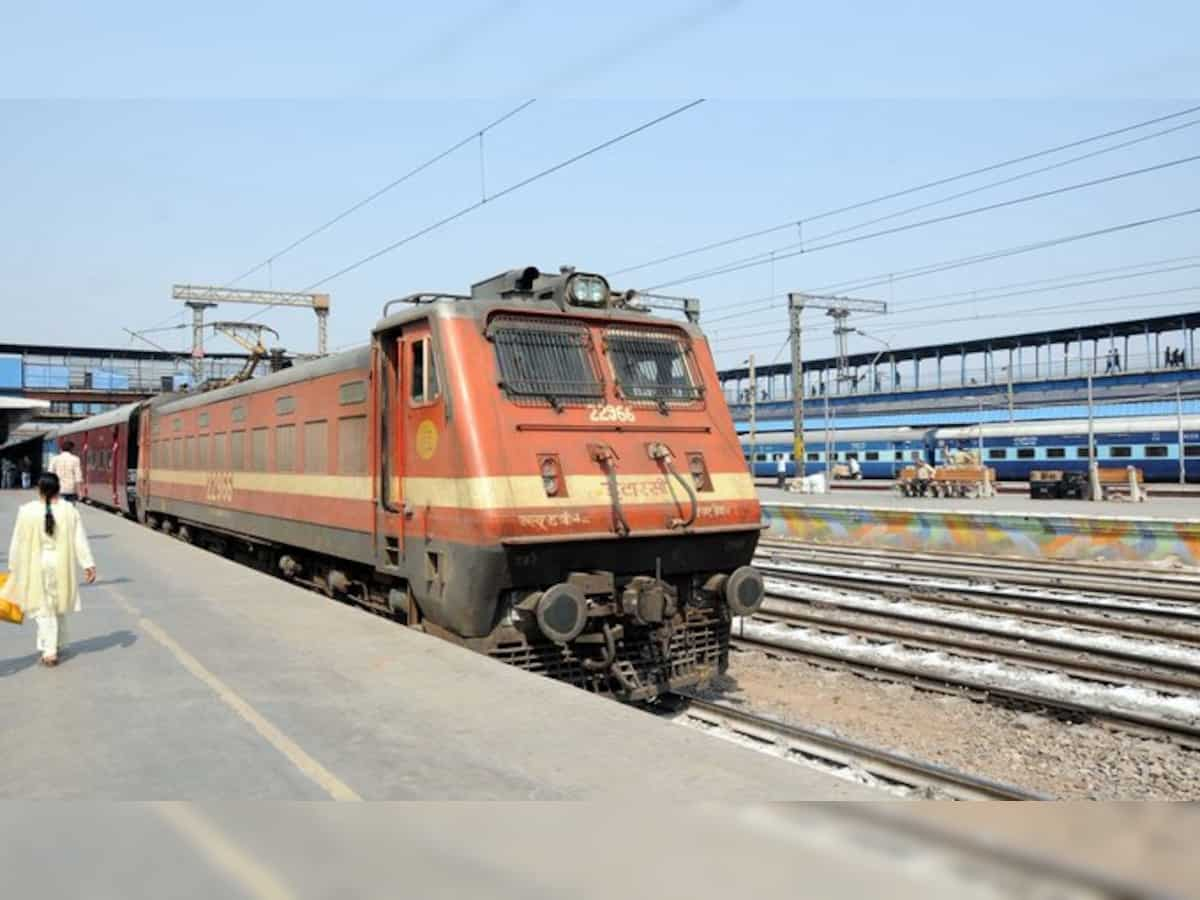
<point x="832" y="752"/>
<point x="1131" y="662"/>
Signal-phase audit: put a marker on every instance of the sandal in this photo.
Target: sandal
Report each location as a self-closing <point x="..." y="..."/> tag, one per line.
<point x="50" y="661"/>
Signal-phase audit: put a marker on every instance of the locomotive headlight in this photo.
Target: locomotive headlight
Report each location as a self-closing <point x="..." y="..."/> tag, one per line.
<point x="552" y="480"/>
<point x="588" y="290"/>
<point x="699" y="470"/>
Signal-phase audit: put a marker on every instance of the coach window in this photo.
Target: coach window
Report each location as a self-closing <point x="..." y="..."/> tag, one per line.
<point x="814" y="457"/>
<point x="1191" y="449"/>
<point x="998" y="454"/>
<point x="1083" y="452"/>
<point x="1055" y="452"/>
<point x="237" y="451"/>
<point x="1026" y="453"/>
<point x="258" y="450"/>
<point x="872" y="456"/>
<point x="285" y="448"/>
<point x="423" y="381"/>
<point x="316" y="447"/>
<point x="1156" y="452"/>
<point x="202" y="454"/>
<point x="899" y="456"/>
<point x="352" y="445"/>
<point x="1120" y="452"/>
<point x="218" y="450"/>
<point x="177" y="453"/>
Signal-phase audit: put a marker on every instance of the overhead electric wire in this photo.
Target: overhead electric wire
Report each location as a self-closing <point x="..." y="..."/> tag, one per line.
<point x="504" y="192"/>
<point x="983" y="295"/>
<point x="973" y="293"/>
<point x="857" y="284"/>
<point x="1094" y="302"/>
<point x="473" y="136"/>
<point x="936" y="220"/>
<point x="793" y="223"/>
<point x="773" y="254"/>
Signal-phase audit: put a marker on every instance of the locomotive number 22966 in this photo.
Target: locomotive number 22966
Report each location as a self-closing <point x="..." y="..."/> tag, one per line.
<point x="612" y="413"/>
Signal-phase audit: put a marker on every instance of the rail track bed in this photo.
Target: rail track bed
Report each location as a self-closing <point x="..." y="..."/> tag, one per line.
<point x="829" y="751"/>
<point x="1115" y="658"/>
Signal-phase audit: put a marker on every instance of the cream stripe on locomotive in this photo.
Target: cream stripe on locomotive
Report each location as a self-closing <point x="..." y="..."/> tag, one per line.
<point x="341" y="487"/>
<point x="524" y="491"/>
<point x="486" y="493"/>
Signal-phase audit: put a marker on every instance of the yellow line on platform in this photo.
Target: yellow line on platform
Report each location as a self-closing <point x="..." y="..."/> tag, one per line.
<point x="253" y="877"/>
<point x="325" y="779"/>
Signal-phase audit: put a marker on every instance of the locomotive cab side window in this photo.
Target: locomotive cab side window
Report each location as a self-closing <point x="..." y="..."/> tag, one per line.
<point x="423" y="380"/>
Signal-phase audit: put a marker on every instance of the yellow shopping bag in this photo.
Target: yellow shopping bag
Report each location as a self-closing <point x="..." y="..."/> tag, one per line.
<point x="10" y="612"/>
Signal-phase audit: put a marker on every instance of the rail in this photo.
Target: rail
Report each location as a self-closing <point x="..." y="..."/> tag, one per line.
<point x="1130" y="662"/>
<point x="829" y="750"/>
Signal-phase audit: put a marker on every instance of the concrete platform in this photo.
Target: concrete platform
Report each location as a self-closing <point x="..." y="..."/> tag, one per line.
<point x="191" y="677"/>
<point x="1173" y="509"/>
<point x="1159" y="532"/>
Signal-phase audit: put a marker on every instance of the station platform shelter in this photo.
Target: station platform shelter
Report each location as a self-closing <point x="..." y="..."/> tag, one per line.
<point x="1144" y="366"/>
<point x="55" y="385"/>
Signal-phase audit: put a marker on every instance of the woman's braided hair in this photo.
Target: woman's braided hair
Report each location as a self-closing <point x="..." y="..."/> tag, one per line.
<point x="49" y="487"/>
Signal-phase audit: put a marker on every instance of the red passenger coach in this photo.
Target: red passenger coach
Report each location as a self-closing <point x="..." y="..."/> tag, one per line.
<point x="540" y="470"/>
<point x="107" y="447"/>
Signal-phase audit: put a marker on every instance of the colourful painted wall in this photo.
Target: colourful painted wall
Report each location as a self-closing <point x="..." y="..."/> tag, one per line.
<point x="1001" y="534"/>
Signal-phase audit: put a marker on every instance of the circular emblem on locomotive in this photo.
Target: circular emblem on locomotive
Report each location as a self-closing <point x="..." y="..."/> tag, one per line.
<point x="427" y="439"/>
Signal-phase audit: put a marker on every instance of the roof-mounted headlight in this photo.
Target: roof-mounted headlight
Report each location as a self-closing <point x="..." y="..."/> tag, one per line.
<point x="588" y="290"/>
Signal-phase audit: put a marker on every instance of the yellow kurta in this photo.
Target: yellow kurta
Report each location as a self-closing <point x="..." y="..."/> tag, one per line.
<point x="27" y="562"/>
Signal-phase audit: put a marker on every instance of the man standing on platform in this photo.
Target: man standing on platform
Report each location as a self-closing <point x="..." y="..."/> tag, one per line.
<point x="70" y="474"/>
<point x="781" y="471"/>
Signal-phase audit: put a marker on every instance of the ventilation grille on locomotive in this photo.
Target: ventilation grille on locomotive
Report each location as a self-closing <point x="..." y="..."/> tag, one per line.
<point x="651" y="367"/>
<point x="546" y="361"/>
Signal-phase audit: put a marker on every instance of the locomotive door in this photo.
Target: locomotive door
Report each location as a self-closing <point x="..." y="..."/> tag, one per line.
<point x="389" y="510"/>
<point x="114" y="458"/>
<point x="411" y="425"/>
<point x="423" y="426"/>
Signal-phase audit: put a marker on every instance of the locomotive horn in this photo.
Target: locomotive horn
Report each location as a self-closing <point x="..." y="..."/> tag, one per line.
<point x="744" y="591"/>
<point x="562" y="612"/>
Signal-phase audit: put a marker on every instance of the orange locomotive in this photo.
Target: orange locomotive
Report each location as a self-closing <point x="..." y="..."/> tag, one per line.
<point x="541" y="471"/>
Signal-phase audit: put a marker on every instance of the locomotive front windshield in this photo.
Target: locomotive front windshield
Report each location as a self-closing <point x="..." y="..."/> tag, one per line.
<point x="543" y="360"/>
<point x="651" y="367"/>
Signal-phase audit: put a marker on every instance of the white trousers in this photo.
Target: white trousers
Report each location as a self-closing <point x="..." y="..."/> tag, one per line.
<point x="51" y="628"/>
<point x="51" y="633"/>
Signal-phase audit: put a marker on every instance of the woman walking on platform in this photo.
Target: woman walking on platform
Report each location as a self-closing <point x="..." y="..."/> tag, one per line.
<point x="48" y="543"/>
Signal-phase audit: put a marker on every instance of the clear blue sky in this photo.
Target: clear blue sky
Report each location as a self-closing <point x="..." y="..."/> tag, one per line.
<point x="144" y="144"/>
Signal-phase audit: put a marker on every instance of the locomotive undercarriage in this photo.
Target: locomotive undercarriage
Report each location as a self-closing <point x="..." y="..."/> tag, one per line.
<point x="630" y="636"/>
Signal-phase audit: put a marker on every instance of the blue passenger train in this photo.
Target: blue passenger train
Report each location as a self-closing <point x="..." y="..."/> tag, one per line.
<point x="1151" y="443"/>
